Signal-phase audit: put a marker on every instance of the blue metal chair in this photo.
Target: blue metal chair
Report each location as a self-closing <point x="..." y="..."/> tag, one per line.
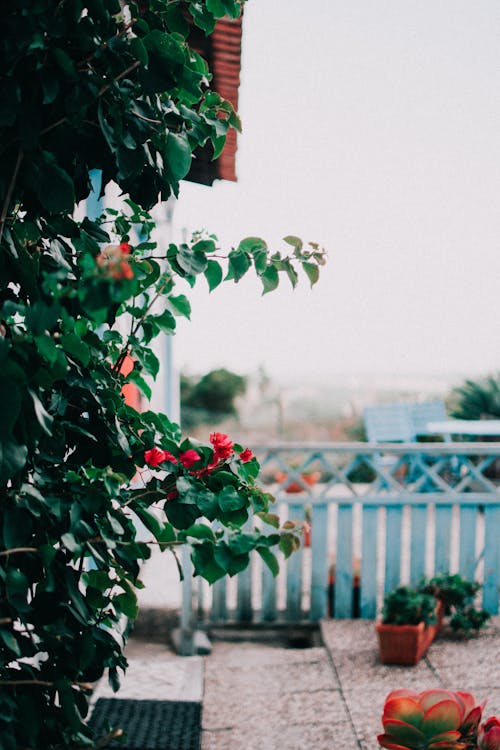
<point x="389" y="423"/>
<point x="428" y="411"/>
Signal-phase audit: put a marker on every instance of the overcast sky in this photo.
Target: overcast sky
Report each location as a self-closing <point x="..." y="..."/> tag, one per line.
<point x="373" y="128"/>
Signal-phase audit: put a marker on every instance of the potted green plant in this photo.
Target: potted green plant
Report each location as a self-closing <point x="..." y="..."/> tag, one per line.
<point x="410" y="621"/>
<point x="297" y="480"/>
<point x="457" y="596"/>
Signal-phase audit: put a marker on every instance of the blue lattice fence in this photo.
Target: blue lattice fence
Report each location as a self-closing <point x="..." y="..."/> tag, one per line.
<point x="380" y="515"/>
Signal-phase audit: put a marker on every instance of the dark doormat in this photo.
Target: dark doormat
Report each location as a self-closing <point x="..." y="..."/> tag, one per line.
<point x="148" y="724"/>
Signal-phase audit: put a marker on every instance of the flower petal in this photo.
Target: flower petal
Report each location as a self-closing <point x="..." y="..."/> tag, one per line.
<point x="403" y="732"/>
<point x="442" y="717"/>
<point x="385" y="740"/>
<point x="404" y="708"/>
<point x="430" y="697"/>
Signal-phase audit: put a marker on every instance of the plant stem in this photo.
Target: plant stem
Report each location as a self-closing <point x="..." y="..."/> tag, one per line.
<point x="10" y="189"/>
<point x="15" y="550"/>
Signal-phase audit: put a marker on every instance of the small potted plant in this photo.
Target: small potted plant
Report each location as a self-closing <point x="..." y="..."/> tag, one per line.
<point x="410" y="621"/>
<point x="457" y="596"/>
<point x="298" y="479"/>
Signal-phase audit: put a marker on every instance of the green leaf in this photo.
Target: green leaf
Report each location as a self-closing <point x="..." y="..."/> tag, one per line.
<point x="270" y="279"/>
<point x="12" y="459"/>
<point x="43" y="417"/>
<point x="213" y="274"/>
<point x="180" y="305"/>
<point x="76" y="348"/>
<point x="178" y="154"/>
<point x="291" y="273"/>
<point x="41" y="317"/>
<point x="10" y="641"/>
<point x="312" y="272"/>
<point x="200" y="531"/>
<point x="296" y="242"/>
<point x="270" y="518"/>
<point x="239" y="263"/>
<point x="288" y="544"/>
<point x="138" y="50"/>
<point x="135" y="377"/>
<point x="191" y="261"/>
<point x="162" y="532"/>
<point x="164" y="47"/>
<point x="127" y="603"/>
<point x="54" y="187"/>
<point x="205" y="564"/>
<point x="47" y="348"/>
<point x="230" y="500"/>
<point x="270" y="560"/>
<point x="10" y="405"/>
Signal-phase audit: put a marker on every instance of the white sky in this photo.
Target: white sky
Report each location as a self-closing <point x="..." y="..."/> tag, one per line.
<point x="372" y="127"/>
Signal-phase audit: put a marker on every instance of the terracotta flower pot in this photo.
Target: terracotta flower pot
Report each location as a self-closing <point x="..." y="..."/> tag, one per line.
<point x="406" y="644"/>
<point x="293" y="487"/>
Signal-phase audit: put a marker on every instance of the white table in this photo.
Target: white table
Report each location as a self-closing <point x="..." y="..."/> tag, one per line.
<point x="486" y="427"/>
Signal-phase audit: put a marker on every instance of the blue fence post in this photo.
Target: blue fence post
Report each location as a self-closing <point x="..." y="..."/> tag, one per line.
<point x="343" y="563"/>
<point x="294" y="572"/>
<point x="491" y="558"/>
<point x="418" y="545"/>
<point x="319" y="561"/>
<point x="368" y="606"/>
<point x="392" y="577"/>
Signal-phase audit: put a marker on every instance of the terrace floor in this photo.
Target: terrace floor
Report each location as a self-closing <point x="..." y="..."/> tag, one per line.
<point x="263" y="696"/>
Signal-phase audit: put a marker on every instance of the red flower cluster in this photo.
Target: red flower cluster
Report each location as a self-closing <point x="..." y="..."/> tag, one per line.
<point x="114" y="260"/>
<point x="222" y="449"/>
<point x="156" y="456"/>
<point x="188" y="458"/>
<point x="222" y="445"/>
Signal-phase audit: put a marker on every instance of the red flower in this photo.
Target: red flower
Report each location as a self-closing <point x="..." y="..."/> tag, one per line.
<point x="125" y="247"/>
<point x="167" y="456"/>
<point x="489" y="734"/>
<point x="155" y="457"/>
<point x="125" y="272"/>
<point x="246" y="455"/>
<point x="223" y="446"/>
<point x="188" y="458"/>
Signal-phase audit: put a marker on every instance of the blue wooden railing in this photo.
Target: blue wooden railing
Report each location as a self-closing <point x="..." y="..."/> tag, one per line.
<point x="380" y="515"/>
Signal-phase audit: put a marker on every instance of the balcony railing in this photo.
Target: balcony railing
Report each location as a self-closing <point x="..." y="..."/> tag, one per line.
<point x="380" y="515"/>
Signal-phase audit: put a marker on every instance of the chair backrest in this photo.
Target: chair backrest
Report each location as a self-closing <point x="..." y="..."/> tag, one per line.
<point x="425" y="412"/>
<point x="390" y="423"/>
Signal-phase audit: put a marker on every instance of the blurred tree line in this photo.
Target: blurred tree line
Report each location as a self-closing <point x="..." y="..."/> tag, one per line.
<point x="211" y="398"/>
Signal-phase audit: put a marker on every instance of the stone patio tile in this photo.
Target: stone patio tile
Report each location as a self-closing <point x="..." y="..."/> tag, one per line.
<point x="492" y="696"/>
<point x="467" y="664"/>
<point x="362" y="669"/>
<point x="365" y="708"/>
<point x="319" y="736"/>
<point x="286" y="677"/>
<point x="249" y="655"/>
<point x="347" y="635"/>
<point x="230" y="709"/>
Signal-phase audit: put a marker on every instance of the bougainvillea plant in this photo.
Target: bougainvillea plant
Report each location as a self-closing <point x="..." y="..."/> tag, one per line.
<point x="436" y="720"/>
<point x="115" y="88"/>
